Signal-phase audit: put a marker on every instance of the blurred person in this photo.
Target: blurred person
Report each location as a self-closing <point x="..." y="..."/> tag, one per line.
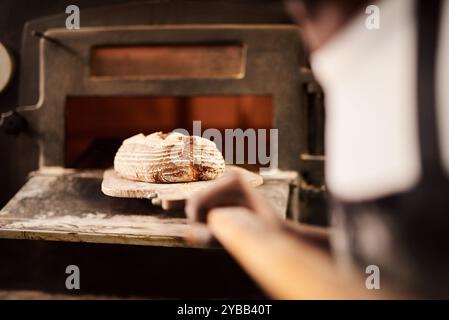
<point x="387" y="141"/>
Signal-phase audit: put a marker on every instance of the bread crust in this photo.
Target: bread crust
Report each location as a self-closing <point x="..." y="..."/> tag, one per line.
<point x="168" y="158"/>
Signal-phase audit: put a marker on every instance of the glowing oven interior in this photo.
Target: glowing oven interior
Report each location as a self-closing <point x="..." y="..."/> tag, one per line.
<point x="95" y="126"/>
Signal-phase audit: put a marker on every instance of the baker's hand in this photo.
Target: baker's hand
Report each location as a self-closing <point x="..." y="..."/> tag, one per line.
<point x="232" y="191"/>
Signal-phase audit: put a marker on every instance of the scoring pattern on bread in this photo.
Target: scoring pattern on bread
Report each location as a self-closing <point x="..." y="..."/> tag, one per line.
<point x="168" y="158"/>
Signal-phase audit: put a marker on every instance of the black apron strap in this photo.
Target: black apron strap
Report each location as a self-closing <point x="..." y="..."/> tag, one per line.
<point x="428" y="24"/>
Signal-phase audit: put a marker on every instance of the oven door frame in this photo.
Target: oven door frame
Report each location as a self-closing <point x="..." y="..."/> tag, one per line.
<point x="273" y="55"/>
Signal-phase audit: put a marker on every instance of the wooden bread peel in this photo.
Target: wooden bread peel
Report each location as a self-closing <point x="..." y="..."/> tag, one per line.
<point x="171" y="196"/>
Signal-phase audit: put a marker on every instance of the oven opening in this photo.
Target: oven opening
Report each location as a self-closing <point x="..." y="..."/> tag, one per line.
<point x="96" y="126"/>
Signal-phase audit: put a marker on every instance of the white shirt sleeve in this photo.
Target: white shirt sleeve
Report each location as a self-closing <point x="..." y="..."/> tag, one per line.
<point x="369" y="77"/>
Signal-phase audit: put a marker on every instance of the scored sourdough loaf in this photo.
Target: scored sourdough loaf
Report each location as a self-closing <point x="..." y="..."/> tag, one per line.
<point x="168" y="158"/>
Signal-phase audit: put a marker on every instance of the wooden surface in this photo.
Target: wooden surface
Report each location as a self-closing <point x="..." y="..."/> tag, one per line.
<point x="42" y="295"/>
<point x="171" y="196"/>
<point x="68" y="205"/>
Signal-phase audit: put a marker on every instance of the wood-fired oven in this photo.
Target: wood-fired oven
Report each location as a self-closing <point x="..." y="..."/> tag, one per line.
<point x="135" y="68"/>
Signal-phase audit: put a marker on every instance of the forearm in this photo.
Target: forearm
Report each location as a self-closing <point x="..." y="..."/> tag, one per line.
<point x="316" y="235"/>
<point x="285" y="266"/>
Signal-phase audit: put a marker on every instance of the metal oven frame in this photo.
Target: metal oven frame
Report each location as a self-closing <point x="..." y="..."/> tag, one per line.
<point x="64" y="71"/>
